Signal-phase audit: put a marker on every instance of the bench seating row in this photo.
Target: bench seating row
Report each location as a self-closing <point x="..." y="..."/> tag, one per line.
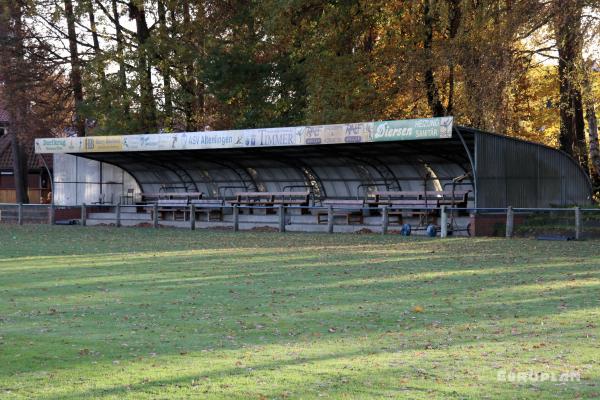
<point x="421" y="203"/>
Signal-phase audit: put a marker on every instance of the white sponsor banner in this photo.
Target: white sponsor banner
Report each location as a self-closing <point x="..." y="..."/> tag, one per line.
<point x="420" y="129"/>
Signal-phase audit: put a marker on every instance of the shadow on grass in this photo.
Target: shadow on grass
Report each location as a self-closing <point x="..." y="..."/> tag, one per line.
<point x="359" y="286"/>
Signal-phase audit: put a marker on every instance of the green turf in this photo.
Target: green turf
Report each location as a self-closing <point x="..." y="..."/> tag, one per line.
<point x="161" y="314"/>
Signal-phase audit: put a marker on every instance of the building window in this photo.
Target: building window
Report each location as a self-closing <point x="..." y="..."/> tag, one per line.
<point x="2" y="131"/>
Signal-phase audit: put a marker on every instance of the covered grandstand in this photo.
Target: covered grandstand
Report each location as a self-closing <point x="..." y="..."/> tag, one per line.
<point x="346" y="162"/>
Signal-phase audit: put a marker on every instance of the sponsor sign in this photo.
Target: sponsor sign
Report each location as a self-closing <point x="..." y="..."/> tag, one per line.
<point x="417" y="129"/>
<point x="59" y="145"/>
<point x="279" y="137"/>
<point x="103" y="143"/>
<point x="413" y="129"/>
<point x="335" y="134"/>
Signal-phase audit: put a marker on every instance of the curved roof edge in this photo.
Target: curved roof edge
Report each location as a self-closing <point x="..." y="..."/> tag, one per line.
<point x="559" y="151"/>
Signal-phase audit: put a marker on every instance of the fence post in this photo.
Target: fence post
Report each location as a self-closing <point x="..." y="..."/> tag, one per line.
<point x="155" y="215"/>
<point x="83" y="215"/>
<point x="20" y="214"/>
<point x="577" y="223"/>
<point x="118" y="215"/>
<point x="51" y="214"/>
<point x="444" y="227"/>
<point x="236" y="218"/>
<point x="330" y="219"/>
<point x="193" y="216"/>
<point x="385" y="220"/>
<point x="281" y="213"/>
<point x="510" y="222"/>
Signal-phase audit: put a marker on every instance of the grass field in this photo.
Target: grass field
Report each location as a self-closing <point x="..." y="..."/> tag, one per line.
<point x="162" y="314"/>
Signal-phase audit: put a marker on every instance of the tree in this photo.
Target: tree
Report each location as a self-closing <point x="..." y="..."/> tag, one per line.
<point x="569" y="40"/>
<point x="12" y="62"/>
<point x="33" y="87"/>
<point x="76" y="84"/>
<point x="147" y="103"/>
<point x="590" y="106"/>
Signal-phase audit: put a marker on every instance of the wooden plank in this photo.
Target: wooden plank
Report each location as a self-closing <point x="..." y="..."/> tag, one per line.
<point x="415" y="193"/>
<point x="201" y="202"/>
<point x="343" y="202"/>
<point x="172" y="195"/>
<point x="266" y="194"/>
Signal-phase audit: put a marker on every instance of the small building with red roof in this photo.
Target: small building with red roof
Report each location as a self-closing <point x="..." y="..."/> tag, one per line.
<point x="39" y="166"/>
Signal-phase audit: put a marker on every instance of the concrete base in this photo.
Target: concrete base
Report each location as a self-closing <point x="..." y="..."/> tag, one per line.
<point x="295" y="222"/>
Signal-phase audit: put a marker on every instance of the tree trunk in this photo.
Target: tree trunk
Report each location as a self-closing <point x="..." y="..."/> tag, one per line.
<point x="433" y="95"/>
<point x="570" y="44"/>
<point x="13" y="70"/>
<point x="120" y="56"/>
<point x="104" y="94"/>
<point x="455" y="20"/>
<point x="200" y="100"/>
<point x="19" y="169"/>
<point x="95" y="40"/>
<point x="594" y="147"/>
<point x="190" y="83"/>
<point x="166" y="70"/>
<point x="76" y="82"/>
<point x="590" y="108"/>
<point x="147" y="115"/>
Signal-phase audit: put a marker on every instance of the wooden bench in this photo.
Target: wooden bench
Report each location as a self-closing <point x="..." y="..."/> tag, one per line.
<point x="212" y="207"/>
<point x="154" y="197"/>
<point x="300" y="199"/>
<point x="422" y="204"/>
<point x="352" y="210"/>
<point x="253" y="199"/>
<point x="457" y="198"/>
<point x="175" y="207"/>
<point x="419" y="199"/>
<point x="271" y="199"/>
<point x="413" y="203"/>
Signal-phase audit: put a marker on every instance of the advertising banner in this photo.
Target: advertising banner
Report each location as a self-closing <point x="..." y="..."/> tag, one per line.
<point x="413" y="129"/>
<point x="104" y="144"/>
<point x="416" y="129"/>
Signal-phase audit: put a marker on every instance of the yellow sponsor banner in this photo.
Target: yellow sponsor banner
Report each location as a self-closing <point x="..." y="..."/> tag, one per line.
<point x="104" y="143"/>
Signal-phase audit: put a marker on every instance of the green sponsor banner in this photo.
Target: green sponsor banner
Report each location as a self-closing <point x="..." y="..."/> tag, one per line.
<point x="412" y="129"/>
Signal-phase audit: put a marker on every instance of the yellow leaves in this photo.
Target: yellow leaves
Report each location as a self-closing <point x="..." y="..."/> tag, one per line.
<point x="418" y="309"/>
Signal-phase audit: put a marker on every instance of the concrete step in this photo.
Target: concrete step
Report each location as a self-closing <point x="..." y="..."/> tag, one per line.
<point x="124" y="216"/>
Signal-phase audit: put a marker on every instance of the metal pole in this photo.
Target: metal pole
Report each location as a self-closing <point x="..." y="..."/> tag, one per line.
<point x="155" y="215"/>
<point x="83" y="215"/>
<point x="236" y="218"/>
<point x="330" y="219"/>
<point x="385" y="220"/>
<point x="51" y="214"/>
<point x="193" y="216"/>
<point x="118" y="215"/>
<point x="444" y="230"/>
<point x="510" y="222"/>
<point x="20" y="214"/>
<point x="281" y="213"/>
<point x="577" y="223"/>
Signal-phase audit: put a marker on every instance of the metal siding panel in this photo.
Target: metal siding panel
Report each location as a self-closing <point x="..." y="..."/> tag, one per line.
<point x="491" y="172"/>
<point x="522" y="174"/>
